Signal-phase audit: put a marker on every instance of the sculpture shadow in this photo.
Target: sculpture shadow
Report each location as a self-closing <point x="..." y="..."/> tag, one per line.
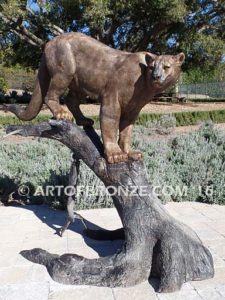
<point x="55" y="219"/>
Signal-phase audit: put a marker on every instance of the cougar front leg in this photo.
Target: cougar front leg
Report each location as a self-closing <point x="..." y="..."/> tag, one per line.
<point x="109" y="121"/>
<point x="125" y="139"/>
<point x="73" y="102"/>
<point x="57" y="86"/>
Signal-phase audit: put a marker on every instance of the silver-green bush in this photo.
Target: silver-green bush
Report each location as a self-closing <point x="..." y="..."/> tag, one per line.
<point x="189" y="167"/>
<point x="164" y="125"/>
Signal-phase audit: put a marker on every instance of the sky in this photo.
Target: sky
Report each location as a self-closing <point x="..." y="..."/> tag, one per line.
<point x="34" y="6"/>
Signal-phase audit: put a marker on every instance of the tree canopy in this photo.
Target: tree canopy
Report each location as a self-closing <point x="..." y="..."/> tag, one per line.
<point x="160" y="26"/>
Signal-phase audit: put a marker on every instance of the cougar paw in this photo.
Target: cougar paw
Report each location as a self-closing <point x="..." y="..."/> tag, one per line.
<point x="85" y="122"/>
<point x="64" y="115"/>
<point x="135" y="155"/>
<point x="116" y="157"/>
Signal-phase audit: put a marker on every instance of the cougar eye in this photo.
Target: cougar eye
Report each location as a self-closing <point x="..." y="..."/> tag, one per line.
<point x="166" y="67"/>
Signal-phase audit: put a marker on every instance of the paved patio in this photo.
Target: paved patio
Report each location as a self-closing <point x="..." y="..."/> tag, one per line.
<point x="35" y="226"/>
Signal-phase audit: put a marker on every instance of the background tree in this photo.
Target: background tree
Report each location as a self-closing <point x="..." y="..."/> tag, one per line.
<point x="160" y="26"/>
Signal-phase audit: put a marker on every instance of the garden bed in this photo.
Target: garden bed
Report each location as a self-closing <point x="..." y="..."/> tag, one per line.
<point x="184" y="167"/>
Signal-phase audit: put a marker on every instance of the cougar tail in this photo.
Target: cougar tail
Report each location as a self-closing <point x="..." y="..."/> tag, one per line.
<point x="39" y="93"/>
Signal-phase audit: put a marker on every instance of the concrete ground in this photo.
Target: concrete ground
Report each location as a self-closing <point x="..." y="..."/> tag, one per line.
<point x="35" y="226"/>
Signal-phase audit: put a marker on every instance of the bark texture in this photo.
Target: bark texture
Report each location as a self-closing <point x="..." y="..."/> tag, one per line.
<point x="156" y="244"/>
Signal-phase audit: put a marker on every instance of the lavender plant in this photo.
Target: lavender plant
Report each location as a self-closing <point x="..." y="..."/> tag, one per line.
<point x="188" y="167"/>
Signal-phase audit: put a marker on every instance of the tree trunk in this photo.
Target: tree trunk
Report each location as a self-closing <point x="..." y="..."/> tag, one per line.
<point x="155" y="243"/>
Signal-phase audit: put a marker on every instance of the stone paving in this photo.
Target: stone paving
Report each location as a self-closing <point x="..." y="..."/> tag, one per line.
<point x="35" y="226"/>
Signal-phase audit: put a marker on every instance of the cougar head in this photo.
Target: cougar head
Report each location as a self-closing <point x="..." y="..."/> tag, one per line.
<point x="164" y="70"/>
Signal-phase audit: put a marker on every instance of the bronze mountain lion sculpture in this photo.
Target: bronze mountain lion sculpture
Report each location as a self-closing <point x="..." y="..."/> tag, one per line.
<point x="123" y="81"/>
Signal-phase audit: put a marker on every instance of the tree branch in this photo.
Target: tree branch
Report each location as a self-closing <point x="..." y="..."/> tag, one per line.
<point x="19" y="29"/>
<point x="108" y="34"/>
<point x="56" y="30"/>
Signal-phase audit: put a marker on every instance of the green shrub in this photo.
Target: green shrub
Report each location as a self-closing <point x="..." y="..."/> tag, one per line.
<point x="144" y="119"/>
<point x="185" y="118"/>
<point x="3" y="85"/>
<point x="208" y="100"/>
<point x="18" y="78"/>
<point x="11" y="120"/>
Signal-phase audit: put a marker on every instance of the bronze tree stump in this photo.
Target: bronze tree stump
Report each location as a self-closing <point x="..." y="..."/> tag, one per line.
<point x="155" y="244"/>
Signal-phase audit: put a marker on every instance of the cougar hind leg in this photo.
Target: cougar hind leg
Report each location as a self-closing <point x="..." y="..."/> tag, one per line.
<point x="58" y="84"/>
<point x="73" y="103"/>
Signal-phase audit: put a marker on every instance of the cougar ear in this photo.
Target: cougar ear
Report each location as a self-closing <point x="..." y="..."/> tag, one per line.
<point x="149" y="58"/>
<point x="180" y="58"/>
